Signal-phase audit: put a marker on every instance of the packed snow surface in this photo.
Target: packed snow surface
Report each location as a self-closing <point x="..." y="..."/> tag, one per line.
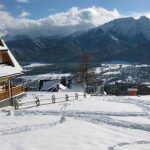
<point x="91" y="123"/>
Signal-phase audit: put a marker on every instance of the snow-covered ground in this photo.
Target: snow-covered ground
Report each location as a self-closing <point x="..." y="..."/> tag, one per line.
<point x="112" y="73"/>
<point x="45" y="76"/>
<point x="108" y="67"/>
<point x="36" y="64"/>
<point x="91" y="123"/>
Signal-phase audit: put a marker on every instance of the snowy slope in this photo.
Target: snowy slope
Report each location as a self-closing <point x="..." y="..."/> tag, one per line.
<point x="129" y="27"/>
<point x="36" y="64"/>
<point x="105" y="123"/>
<point x="45" y="76"/>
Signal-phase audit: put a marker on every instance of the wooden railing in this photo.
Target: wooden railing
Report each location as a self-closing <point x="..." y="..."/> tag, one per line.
<point x="4" y="95"/>
<point x="14" y="91"/>
<point x="17" y="90"/>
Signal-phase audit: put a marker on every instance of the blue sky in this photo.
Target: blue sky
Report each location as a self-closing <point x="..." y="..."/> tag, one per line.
<point x="42" y="8"/>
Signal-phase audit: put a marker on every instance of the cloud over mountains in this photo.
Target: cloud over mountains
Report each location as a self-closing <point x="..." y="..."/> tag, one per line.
<point x="62" y="23"/>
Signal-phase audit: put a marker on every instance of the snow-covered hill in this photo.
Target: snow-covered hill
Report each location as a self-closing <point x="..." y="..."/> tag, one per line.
<point x="129" y="27"/>
<point x="105" y="122"/>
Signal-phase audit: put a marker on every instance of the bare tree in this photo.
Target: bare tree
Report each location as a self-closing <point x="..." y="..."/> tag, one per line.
<point x="84" y="74"/>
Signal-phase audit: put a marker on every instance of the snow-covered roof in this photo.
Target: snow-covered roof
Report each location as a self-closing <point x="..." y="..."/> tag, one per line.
<point x="132" y="89"/>
<point x="5" y="69"/>
<point x="49" y="84"/>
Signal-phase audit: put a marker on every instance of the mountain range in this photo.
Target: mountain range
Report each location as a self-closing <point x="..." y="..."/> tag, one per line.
<point x="124" y="39"/>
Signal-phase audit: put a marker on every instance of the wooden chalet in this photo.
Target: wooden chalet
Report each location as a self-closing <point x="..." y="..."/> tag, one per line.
<point x="9" y="69"/>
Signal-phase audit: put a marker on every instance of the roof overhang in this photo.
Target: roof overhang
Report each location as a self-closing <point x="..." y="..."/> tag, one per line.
<point x="8" y="70"/>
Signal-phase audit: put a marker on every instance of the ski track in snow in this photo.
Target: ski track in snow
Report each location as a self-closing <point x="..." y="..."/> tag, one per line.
<point x="105" y="117"/>
<point x="98" y="117"/>
<point x="92" y="117"/>
<point x="27" y="128"/>
<point x="127" y="144"/>
<point x="71" y="113"/>
<point x="144" y="105"/>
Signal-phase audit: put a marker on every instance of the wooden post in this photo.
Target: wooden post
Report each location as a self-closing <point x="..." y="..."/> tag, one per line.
<point x="10" y="90"/>
<point x="66" y="97"/>
<point x="22" y="88"/>
<point x="84" y="95"/>
<point x="53" y="98"/>
<point x="76" y="96"/>
<point x="16" y="104"/>
<point x="37" y="101"/>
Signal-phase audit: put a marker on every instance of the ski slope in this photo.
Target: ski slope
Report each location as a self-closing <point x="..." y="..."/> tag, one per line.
<point x="91" y="123"/>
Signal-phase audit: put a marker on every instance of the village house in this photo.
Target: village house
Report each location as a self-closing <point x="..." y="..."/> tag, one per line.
<point x="51" y="85"/>
<point x="132" y="91"/>
<point x="9" y="69"/>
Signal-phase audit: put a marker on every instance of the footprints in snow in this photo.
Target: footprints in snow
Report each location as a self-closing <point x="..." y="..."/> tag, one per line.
<point x="128" y="144"/>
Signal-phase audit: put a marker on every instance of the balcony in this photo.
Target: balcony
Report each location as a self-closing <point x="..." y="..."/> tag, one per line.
<point x="14" y="91"/>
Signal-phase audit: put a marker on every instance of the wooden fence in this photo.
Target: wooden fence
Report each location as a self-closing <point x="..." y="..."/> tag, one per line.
<point x="52" y="100"/>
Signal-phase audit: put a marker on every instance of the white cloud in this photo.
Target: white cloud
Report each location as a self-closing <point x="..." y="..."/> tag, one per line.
<point x="23" y="1"/>
<point x="24" y="14"/>
<point x="138" y="15"/>
<point x="75" y="16"/>
<point x="2" y="6"/>
<point x="51" y="9"/>
<point x="63" y="23"/>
